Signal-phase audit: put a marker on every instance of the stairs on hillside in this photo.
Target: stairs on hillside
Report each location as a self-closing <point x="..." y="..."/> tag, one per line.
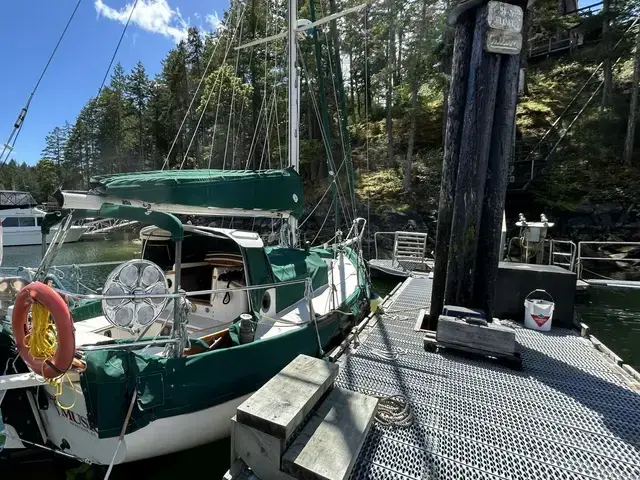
<point x="530" y="158"/>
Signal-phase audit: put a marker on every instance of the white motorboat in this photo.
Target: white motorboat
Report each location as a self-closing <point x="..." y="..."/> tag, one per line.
<point x="21" y="221"/>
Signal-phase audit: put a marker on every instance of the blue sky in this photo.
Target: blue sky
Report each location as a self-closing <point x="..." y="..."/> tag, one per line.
<point x="29" y="30"/>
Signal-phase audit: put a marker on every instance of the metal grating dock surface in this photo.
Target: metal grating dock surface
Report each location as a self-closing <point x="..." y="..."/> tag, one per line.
<point x="569" y="414"/>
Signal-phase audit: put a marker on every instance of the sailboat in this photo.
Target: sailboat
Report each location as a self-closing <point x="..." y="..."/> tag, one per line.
<point x="177" y="339"/>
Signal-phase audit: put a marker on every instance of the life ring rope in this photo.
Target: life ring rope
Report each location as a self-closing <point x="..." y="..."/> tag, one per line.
<point x="42" y="341"/>
<point x="44" y="334"/>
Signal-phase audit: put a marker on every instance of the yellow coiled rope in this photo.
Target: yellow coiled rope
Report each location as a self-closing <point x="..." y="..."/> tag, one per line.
<point x="42" y="341"/>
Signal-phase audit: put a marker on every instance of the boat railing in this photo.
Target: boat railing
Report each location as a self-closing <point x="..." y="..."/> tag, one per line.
<point x="356" y="232"/>
<point x="195" y="293"/>
<point x="185" y="295"/>
<point x="73" y="277"/>
<point x="106" y="225"/>
<point x="562" y="253"/>
<point x="581" y="259"/>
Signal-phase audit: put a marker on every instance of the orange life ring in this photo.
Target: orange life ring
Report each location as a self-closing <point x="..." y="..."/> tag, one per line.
<point x="49" y="298"/>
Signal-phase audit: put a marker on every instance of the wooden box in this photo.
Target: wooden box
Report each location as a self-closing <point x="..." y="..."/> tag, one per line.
<point x="490" y="338"/>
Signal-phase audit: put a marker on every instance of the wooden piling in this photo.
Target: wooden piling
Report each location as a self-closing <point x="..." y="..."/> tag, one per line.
<point x="453" y="135"/>
<point x="496" y="185"/>
<point x="484" y="69"/>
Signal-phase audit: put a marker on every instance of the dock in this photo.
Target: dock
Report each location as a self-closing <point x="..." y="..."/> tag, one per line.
<point x="380" y="406"/>
<point x="571" y="412"/>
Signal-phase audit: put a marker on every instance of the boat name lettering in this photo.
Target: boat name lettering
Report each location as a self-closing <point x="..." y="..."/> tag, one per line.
<point x="75" y="419"/>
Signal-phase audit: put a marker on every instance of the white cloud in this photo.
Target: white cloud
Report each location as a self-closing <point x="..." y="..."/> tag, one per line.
<point x="154" y="16"/>
<point x="214" y="21"/>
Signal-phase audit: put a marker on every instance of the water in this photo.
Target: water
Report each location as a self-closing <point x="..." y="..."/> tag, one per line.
<point x="121" y="248"/>
<point x="614" y="317"/>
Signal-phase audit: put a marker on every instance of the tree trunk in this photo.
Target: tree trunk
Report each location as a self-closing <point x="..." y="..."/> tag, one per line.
<point x="351" y="83"/>
<point x="390" y="72"/>
<point x="607" y="86"/>
<point x="415" y="83"/>
<point x="633" y="107"/>
<point x="398" y="71"/>
<point x="446" y="66"/>
<point x="368" y="95"/>
<point x="412" y="135"/>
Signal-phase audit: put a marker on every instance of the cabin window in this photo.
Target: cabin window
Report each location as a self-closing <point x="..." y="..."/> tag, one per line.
<point x="10" y="222"/>
<point x="39" y="221"/>
<point x="27" y="222"/>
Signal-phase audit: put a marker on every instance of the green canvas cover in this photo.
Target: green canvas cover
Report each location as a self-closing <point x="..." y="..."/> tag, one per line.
<point x="176" y="386"/>
<point x="277" y="190"/>
<point x="293" y="264"/>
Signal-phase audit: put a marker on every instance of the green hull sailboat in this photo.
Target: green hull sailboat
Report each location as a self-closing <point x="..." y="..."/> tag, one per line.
<point x="241" y="312"/>
<point x="177" y="339"/>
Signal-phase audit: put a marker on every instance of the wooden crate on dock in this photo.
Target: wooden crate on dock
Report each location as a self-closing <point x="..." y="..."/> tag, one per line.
<point x="475" y="336"/>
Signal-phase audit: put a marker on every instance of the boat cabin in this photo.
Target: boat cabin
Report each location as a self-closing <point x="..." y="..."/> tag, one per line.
<point x="213" y="259"/>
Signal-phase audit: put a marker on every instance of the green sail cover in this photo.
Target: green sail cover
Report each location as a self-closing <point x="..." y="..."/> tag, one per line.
<point x="273" y="190"/>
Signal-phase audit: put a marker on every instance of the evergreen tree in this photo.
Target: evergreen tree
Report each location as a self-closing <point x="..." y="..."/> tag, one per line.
<point x="138" y="91"/>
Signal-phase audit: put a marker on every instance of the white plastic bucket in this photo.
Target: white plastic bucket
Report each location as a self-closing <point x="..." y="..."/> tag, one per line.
<point x="538" y="313"/>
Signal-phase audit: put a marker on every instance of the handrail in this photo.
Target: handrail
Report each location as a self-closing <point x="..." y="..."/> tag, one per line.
<point x="559" y="118"/>
<point x="375" y="240"/>
<point x="194" y="293"/>
<point x="605" y="259"/>
<point x="571" y="254"/>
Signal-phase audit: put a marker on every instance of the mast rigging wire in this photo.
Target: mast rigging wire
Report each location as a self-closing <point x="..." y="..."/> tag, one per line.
<point x="13" y="137"/>
<point x="345" y="209"/>
<point x="218" y="82"/>
<point x="186" y="114"/>
<point x="115" y="52"/>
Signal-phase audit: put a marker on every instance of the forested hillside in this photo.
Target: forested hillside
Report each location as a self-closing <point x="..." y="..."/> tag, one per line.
<point x="215" y="106"/>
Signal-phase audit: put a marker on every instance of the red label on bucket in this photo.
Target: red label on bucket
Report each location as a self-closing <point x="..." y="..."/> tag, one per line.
<point x="540" y="319"/>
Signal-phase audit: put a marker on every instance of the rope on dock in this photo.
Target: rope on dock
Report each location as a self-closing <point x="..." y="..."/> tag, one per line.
<point x="393" y="313"/>
<point x="394" y="411"/>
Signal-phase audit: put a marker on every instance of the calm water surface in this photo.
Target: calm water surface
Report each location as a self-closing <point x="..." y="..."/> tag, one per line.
<point x="614" y="317"/>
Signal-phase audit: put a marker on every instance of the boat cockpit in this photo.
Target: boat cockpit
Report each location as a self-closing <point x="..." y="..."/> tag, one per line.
<point x="212" y="259"/>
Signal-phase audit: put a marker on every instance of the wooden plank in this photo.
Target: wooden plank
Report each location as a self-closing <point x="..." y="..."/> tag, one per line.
<point x="422" y="314"/>
<point x="329" y="444"/>
<point x="260" y="451"/>
<point x="490" y="338"/>
<point x="512" y="360"/>
<point x="279" y="406"/>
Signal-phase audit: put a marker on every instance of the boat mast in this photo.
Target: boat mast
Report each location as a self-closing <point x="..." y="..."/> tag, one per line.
<point x="293" y="104"/>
